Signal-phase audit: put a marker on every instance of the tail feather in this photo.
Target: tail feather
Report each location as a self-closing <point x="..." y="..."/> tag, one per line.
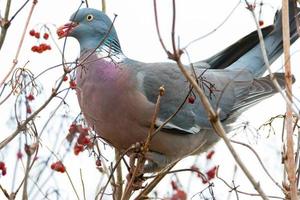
<point x="260" y="89"/>
<point x="253" y="60"/>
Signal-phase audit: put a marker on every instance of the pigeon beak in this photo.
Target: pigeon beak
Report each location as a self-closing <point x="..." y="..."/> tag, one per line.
<point x="65" y="30"/>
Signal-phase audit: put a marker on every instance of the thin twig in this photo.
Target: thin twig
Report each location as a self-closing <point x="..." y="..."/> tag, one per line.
<point x="82" y="183"/>
<point x="260" y="161"/>
<point x="72" y="184"/>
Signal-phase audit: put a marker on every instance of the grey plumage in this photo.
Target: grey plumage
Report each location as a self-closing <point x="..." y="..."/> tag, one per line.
<point x="117" y="95"/>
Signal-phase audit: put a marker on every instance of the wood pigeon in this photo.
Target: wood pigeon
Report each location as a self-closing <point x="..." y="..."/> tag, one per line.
<point x="117" y="95"/>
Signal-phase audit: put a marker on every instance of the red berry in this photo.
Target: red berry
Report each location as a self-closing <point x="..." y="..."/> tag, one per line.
<point x="78" y="148"/>
<point x="211" y="173"/>
<point x="58" y="166"/>
<point x="179" y="195"/>
<point x="30" y="97"/>
<point x="98" y="163"/>
<point x="53" y="166"/>
<point x="46" y="36"/>
<point x="48" y="47"/>
<point x="60" y="33"/>
<point x="19" y="155"/>
<point x="28" y="110"/>
<point x="210" y="154"/>
<point x="65" y="78"/>
<point x="43" y="46"/>
<point x="4" y="171"/>
<point x="174" y="185"/>
<point x="2" y="165"/>
<point x="34" y="48"/>
<point x="73" y="128"/>
<point x="32" y="32"/>
<point x="191" y="99"/>
<point x="39" y="49"/>
<point x="72" y="84"/>
<point x="261" y="22"/>
<point x="62" y="169"/>
<point x="81" y="139"/>
<point x="37" y="35"/>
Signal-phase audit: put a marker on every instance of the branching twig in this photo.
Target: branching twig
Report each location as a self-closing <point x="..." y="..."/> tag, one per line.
<point x="15" y="61"/>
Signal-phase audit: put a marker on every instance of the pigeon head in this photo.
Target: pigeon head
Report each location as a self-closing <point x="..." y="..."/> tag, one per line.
<point x="91" y="28"/>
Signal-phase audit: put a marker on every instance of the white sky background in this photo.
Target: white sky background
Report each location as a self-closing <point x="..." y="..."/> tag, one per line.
<point x="137" y="34"/>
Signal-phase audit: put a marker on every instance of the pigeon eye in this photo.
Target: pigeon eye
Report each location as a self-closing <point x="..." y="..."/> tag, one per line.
<point x="89" y="17"/>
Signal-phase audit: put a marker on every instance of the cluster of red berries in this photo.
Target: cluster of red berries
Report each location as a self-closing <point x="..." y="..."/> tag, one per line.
<point x="37" y="34"/>
<point x="83" y="139"/>
<point x="41" y="47"/>
<point x="58" y="166"/>
<point x="3" y="168"/>
<point x="179" y="194"/>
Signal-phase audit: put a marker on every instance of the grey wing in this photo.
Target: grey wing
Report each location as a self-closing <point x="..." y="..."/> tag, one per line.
<point x="223" y="89"/>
